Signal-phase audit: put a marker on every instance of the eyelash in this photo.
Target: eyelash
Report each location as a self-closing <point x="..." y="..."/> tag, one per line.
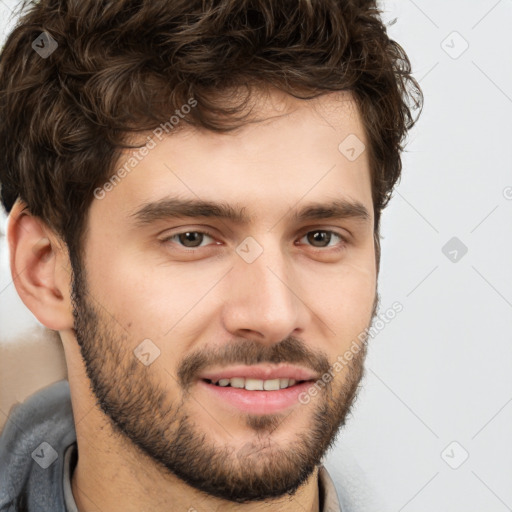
<point x="340" y="246"/>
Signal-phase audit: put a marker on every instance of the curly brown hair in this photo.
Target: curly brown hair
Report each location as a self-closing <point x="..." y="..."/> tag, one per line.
<point x="125" y="66"/>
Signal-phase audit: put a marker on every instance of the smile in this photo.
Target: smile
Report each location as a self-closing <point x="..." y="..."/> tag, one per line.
<point x="251" y="396"/>
<point x="255" y="384"/>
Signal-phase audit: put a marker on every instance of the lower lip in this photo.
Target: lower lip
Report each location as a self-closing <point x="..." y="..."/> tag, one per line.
<point x="257" y="402"/>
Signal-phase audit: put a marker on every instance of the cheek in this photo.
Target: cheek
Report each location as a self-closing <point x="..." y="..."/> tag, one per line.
<point x="360" y="288"/>
<point x="161" y="302"/>
<point x="151" y="301"/>
<point x="344" y="299"/>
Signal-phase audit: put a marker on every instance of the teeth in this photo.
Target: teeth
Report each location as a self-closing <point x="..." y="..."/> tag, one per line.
<point x="256" y="384"/>
<point x="237" y="382"/>
<point x="271" y="385"/>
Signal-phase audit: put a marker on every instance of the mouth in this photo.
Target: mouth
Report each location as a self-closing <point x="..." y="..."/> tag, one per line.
<point x="252" y="396"/>
<point x="255" y="384"/>
<point x="255" y="389"/>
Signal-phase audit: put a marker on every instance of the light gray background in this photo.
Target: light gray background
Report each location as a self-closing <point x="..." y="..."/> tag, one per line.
<point x="438" y="385"/>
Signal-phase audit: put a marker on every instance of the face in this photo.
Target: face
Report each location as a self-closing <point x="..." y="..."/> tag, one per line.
<point x="222" y="264"/>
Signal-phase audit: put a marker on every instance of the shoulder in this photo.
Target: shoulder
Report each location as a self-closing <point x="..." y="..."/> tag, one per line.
<point x="32" y="445"/>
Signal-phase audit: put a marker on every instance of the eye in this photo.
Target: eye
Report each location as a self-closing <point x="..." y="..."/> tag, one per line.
<point x="189" y="239"/>
<point x="322" y="238"/>
<point x="319" y="239"/>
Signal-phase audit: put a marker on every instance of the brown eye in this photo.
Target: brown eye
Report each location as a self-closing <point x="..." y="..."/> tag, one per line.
<point x="189" y="239"/>
<point x="321" y="238"/>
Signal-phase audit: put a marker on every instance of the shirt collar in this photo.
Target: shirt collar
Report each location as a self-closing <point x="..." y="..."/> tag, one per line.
<point x="328" y="495"/>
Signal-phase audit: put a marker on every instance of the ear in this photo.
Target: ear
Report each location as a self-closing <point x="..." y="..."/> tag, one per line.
<point x="40" y="268"/>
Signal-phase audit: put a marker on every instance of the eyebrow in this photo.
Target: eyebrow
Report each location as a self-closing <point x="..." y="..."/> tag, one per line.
<point x="169" y="208"/>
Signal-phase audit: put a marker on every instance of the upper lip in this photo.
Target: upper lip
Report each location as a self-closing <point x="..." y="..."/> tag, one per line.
<point x="262" y="372"/>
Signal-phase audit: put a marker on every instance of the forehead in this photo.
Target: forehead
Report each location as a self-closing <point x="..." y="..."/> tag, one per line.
<point x="289" y="150"/>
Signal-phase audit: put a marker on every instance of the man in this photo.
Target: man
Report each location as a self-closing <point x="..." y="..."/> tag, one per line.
<point x="195" y="190"/>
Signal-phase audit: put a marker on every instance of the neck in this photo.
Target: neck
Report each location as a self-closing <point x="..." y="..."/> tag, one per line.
<point x="115" y="486"/>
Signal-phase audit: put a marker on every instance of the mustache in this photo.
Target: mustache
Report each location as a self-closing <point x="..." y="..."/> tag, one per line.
<point x="247" y="352"/>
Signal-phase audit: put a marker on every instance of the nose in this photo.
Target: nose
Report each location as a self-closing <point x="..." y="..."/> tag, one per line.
<point x="264" y="300"/>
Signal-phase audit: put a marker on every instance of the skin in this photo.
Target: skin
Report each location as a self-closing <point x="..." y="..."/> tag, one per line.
<point x="297" y="302"/>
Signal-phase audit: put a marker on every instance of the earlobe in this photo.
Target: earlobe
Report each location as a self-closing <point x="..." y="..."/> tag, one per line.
<point x="39" y="269"/>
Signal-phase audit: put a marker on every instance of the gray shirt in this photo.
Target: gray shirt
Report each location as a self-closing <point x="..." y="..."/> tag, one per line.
<point x="38" y="454"/>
